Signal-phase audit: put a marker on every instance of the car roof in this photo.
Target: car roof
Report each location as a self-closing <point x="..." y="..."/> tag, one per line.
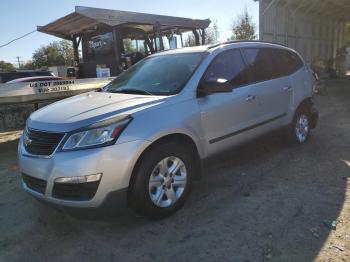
<point x="211" y="48"/>
<point x="192" y="49"/>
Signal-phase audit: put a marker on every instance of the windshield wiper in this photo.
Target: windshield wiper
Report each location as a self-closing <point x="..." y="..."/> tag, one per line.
<point x="131" y="91"/>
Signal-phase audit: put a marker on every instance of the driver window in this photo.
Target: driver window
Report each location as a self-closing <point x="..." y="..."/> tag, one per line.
<point x="228" y="65"/>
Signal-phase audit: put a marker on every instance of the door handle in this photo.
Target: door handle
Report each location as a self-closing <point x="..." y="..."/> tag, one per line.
<point x="287" y="88"/>
<point x="249" y="98"/>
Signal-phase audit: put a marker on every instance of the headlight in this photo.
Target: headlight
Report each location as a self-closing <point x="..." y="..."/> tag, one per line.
<point x="100" y="134"/>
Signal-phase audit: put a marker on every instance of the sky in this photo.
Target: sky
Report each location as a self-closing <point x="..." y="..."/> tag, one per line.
<point x="18" y="17"/>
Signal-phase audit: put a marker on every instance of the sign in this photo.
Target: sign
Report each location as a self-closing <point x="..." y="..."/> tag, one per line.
<point x="101" y="44"/>
<point x="52" y="86"/>
<point x="48" y="90"/>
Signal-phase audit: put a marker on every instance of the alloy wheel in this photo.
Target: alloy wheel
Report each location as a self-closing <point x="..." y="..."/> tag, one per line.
<point x="167" y="181"/>
<point x="302" y="128"/>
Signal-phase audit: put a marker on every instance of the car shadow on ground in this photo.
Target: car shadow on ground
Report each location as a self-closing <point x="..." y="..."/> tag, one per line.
<point x="260" y="201"/>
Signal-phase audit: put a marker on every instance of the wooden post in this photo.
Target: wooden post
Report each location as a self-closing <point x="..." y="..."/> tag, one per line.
<point x="196" y="36"/>
<point x="117" y="49"/>
<point x="75" y="51"/>
<point x="182" y="40"/>
<point x="203" y="36"/>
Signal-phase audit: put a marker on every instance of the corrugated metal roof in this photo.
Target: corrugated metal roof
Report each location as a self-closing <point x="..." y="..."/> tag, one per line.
<point x="88" y="18"/>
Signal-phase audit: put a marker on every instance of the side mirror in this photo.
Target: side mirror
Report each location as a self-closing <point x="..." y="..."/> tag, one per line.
<point x="214" y="86"/>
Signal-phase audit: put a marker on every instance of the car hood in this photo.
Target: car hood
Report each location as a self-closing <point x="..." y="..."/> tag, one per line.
<point x="85" y="109"/>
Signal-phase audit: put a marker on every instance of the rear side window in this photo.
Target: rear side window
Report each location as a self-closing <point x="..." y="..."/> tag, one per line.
<point x="270" y="63"/>
<point x="261" y="63"/>
<point x="228" y="65"/>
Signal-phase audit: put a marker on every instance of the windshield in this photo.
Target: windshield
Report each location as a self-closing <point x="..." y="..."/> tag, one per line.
<point x="157" y="75"/>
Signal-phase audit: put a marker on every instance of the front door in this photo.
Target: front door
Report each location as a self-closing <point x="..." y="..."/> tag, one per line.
<point x="225" y="116"/>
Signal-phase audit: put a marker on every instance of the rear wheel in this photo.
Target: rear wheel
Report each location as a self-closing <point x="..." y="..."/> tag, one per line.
<point x="299" y="130"/>
<point x="162" y="180"/>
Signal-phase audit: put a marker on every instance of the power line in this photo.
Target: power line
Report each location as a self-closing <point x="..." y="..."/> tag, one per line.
<point x="17" y="39"/>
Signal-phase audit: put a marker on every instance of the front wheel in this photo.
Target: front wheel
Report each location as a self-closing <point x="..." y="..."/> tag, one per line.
<point x="162" y="180"/>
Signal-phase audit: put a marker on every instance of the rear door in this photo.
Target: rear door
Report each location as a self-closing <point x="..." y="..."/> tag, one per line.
<point x="272" y="86"/>
<point x="226" y="115"/>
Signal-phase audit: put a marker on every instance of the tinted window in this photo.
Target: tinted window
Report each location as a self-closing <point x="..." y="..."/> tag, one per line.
<point x="270" y="63"/>
<point x="295" y="63"/>
<point x="287" y="62"/>
<point x="228" y="65"/>
<point x="261" y="63"/>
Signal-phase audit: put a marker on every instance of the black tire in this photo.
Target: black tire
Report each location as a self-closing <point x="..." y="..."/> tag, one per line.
<point x="140" y="198"/>
<point x="292" y="137"/>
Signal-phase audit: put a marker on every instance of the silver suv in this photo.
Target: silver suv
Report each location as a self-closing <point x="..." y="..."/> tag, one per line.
<point x="141" y="139"/>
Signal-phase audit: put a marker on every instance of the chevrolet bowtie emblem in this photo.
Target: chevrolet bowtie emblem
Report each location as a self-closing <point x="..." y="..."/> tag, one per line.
<point x="27" y="142"/>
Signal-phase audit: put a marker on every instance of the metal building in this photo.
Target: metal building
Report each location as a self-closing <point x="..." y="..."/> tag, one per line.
<point x="315" y="28"/>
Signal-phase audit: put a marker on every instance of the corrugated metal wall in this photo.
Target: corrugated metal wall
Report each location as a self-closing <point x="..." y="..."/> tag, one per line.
<point x="311" y="34"/>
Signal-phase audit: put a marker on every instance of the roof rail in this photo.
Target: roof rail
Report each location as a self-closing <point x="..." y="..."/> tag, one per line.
<point x="243" y="41"/>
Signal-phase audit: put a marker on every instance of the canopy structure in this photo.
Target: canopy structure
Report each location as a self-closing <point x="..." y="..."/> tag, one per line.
<point x="102" y="32"/>
<point x="313" y="27"/>
<point x="89" y="19"/>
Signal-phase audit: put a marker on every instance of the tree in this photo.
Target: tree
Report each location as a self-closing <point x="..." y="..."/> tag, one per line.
<point x="243" y="27"/>
<point x="212" y="33"/>
<point x="54" y="54"/>
<point x="29" y="65"/>
<point x="6" y="66"/>
<point x="189" y="40"/>
<point x="128" y="46"/>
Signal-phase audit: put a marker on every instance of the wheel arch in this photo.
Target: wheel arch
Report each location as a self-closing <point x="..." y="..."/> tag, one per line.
<point x="185" y="140"/>
<point x="305" y="103"/>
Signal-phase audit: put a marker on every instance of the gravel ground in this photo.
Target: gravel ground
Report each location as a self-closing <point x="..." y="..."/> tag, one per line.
<point x="263" y="201"/>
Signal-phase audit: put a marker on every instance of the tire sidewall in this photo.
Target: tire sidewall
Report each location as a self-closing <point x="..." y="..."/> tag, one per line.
<point x="141" y="200"/>
<point x="292" y="133"/>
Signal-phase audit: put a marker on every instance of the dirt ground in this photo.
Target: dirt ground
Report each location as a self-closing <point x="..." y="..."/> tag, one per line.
<point x="261" y="202"/>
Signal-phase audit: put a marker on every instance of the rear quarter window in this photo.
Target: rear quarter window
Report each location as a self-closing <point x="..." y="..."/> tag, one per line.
<point x="295" y="62"/>
<point x="287" y="62"/>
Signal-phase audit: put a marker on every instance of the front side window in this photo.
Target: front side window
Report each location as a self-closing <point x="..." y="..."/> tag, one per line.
<point x="157" y="75"/>
<point x="230" y="66"/>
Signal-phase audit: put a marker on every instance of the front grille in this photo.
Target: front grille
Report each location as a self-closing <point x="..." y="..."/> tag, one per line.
<point x="40" y="142"/>
<point x="74" y="191"/>
<point x="34" y="184"/>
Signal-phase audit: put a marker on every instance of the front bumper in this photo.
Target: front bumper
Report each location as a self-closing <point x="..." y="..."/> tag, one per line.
<point x="115" y="163"/>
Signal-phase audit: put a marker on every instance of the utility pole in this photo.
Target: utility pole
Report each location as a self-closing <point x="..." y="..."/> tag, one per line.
<point x="18" y="62"/>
